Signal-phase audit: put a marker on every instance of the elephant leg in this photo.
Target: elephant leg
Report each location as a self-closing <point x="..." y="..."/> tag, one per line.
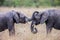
<point x="49" y="28"/>
<point x="11" y="28"/>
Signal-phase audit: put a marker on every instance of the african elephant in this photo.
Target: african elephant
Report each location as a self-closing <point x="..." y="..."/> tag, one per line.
<point x="50" y="17"/>
<point x="8" y="19"/>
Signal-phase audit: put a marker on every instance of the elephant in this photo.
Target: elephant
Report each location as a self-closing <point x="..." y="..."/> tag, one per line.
<point x="8" y="19"/>
<point x="50" y="17"/>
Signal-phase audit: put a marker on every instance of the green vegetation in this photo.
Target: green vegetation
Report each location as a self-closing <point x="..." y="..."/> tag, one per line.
<point x="29" y="3"/>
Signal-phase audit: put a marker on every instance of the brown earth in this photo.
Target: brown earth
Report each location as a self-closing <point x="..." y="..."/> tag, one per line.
<point x="23" y="31"/>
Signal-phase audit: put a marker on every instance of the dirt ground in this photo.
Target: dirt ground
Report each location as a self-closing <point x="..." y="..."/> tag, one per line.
<point x="23" y="31"/>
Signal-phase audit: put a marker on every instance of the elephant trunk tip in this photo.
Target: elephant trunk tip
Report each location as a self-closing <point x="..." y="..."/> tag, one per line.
<point x="34" y="31"/>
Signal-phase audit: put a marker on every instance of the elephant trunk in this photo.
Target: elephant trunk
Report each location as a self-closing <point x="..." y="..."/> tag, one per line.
<point x="28" y="19"/>
<point x="33" y="30"/>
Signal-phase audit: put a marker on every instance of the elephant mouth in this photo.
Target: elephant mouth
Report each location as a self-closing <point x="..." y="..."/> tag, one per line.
<point x="37" y="22"/>
<point x="22" y="22"/>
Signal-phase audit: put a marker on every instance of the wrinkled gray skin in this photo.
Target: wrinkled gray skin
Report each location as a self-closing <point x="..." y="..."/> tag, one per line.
<point x="8" y="19"/>
<point x="50" y="17"/>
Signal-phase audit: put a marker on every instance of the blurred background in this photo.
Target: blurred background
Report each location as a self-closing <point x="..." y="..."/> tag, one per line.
<point x="29" y="3"/>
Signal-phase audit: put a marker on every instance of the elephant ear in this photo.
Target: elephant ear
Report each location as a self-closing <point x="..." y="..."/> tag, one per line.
<point x="16" y="17"/>
<point x="44" y="17"/>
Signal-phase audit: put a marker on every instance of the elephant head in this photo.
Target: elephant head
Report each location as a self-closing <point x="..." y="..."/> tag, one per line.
<point x="44" y="16"/>
<point x="38" y="18"/>
<point x="23" y="18"/>
<point x="20" y="18"/>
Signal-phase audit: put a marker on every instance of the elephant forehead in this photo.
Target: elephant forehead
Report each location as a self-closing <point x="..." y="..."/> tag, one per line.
<point x="21" y="15"/>
<point x="37" y="17"/>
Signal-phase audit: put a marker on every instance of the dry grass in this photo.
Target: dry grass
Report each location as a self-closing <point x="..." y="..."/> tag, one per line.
<point x="23" y="30"/>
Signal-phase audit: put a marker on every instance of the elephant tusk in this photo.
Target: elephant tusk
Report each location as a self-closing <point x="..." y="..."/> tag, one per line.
<point x="34" y="31"/>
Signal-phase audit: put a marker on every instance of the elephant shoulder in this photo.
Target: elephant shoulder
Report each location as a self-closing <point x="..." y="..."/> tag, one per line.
<point x="9" y="14"/>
